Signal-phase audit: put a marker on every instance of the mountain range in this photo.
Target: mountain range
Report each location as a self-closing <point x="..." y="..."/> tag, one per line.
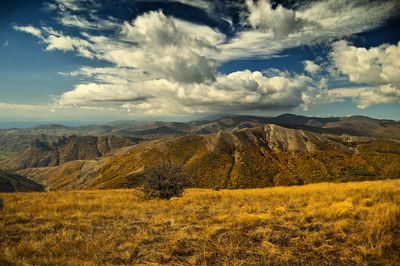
<point x="230" y="152"/>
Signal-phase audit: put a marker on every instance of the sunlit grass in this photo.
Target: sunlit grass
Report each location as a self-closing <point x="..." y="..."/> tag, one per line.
<point x="336" y="224"/>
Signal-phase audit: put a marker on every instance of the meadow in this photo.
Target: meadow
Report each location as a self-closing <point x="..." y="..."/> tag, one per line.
<point x="319" y="224"/>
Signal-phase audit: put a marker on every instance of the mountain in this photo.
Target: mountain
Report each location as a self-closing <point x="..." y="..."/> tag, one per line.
<point x="51" y="151"/>
<point x="15" y="183"/>
<point x="354" y="125"/>
<point x="260" y="156"/>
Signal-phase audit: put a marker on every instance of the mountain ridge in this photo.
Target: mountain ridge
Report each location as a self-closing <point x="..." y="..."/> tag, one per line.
<point x="262" y="156"/>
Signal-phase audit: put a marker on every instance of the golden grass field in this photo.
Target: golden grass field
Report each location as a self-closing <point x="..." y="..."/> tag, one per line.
<point x="319" y="224"/>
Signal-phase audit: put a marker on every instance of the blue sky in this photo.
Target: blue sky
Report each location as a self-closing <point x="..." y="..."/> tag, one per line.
<point x="94" y="61"/>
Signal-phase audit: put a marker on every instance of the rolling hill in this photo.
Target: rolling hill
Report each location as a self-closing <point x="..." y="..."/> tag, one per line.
<point x="353" y="125"/>
<point x="51" y="151"/>
<point x="15" y="183"/>
<point x="260" y="156"/>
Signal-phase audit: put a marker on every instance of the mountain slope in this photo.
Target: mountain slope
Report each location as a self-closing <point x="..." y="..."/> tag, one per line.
<point x="262" y="156"/>
<point x="355" y="125"/>
<point x="42" y="152"/>
<point x="16" y="183"/>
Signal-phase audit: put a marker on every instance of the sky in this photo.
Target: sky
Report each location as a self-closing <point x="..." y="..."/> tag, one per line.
<point x="81" y="61"/>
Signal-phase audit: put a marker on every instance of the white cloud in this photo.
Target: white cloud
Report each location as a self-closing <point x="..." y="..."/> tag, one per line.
<point x="93" y="92"/>
<point x="207" y="6"/>
<point x="64" y="43"/>
<point x="95" y="23"/>
<point x="311" y="67"/>
<point x="165" y="49"/>
<point x="377" y="65"/>
<point x="30" y="29"/>
<point x="164" y="65"/>
<point x="242" y="90"/>
<point x="367" y="96"/>
<point x="280" y="21"/>
<point x="273" y="30"/>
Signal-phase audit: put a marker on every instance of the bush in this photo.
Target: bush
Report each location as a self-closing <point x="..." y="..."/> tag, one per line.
<point x="164" y="180"/>
<point x="216" y="188"/>
<point x="1" y="203"/>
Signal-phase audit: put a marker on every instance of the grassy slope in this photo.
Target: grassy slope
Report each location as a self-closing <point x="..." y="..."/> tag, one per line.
<point x="319" y="224"/>
<point x="250" y="164"/>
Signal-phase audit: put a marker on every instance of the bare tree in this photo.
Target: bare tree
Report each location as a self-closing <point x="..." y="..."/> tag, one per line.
<point x="164" y="180"/>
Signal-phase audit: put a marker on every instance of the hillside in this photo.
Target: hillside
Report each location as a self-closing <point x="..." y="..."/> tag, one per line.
<point x="262" y="156"/>
<point x="42" y="152"/>
<point x="319" y="224"/>
<point x="15" y="183"/>
<point x="354" y="125"/>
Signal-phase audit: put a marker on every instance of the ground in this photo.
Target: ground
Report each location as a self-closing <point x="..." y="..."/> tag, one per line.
<point x="319" y="224"/>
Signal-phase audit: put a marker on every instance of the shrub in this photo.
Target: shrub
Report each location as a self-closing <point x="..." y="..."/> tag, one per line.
<point x="216" y="188"/>
<point x="164" y="180"/>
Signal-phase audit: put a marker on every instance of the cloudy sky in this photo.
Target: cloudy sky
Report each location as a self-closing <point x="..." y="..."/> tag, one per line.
<point x="88" y="60"/>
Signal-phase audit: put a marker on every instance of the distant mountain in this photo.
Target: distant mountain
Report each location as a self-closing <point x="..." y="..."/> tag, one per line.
<point x="15" y="183"/>
<point x="260" y="156"/>
<point x="355" y="125"/>
<point x="53" y="151"/>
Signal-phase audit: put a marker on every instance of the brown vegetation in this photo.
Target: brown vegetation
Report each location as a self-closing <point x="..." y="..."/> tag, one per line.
<point x="258" y="157"/>
<point x="319" y="224"/>
<point x="164" y="181"/>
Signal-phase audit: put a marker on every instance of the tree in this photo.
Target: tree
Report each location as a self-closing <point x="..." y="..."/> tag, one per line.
<point x="164" y="180"/>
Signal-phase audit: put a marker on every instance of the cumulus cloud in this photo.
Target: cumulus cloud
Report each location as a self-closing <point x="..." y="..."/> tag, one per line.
<point x="242" y="90"/>
<point x="384" y="94"/>
<point x="281" y="21"/>
<point x="311" y="67"/>
<point x="163" y="48"/>
<point x="377" y="66"/>
<point x="163" y="65"/>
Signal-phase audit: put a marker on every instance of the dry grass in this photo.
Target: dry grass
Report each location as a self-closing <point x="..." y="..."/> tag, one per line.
<point x="319" y="224"/>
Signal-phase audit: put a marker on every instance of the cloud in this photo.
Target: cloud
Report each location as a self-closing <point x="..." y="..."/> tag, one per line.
<point x="161" y="47"/>
<point x="92" y="92"/>
<point x="95" y="23"/>
<point x="384" y="94"/>
<point x="30" y="29"/>
<point x="280" y="21"/>
<point x="67" y="43"/>
<point x="160" y="64"/>
<point x="238" y="91"/>
<point x="311" y="67"/>
<point x="271" y="30"/>
<point x="207" y="6"/>
<point x="58" y="41"/>
<point x="377" y="66"/>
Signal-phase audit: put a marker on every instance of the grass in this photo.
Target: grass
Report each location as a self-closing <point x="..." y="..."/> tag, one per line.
<point x="5" y="155"/>
<point x="318" y="224"/>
